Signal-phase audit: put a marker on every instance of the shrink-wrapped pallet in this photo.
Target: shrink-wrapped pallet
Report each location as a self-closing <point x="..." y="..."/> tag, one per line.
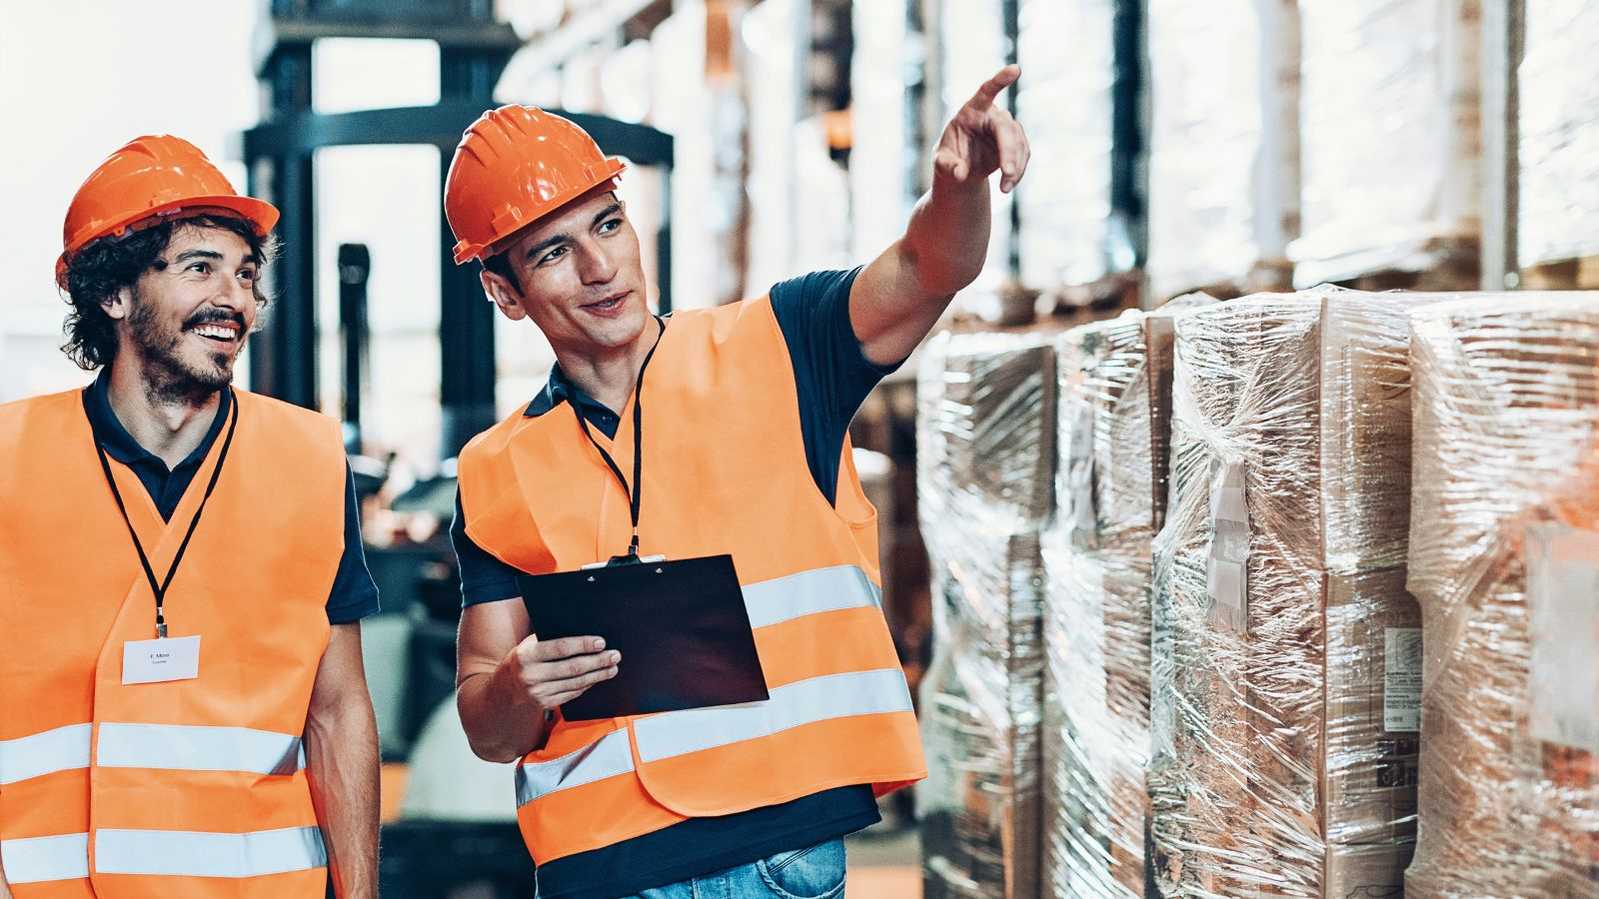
<point x="1504" y="559"/>
<point x="1559" y="133"/>
<point x="1224" y="144"/>
<point x="1096" y="617"/>
<point x="985" y="457"/>
<point x="1284" y="701"/>
<point x="1390" y="140"/>
<point x="1115" y="398"/>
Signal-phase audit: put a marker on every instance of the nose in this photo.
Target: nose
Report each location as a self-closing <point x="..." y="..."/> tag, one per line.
<point x="594" y="263"/>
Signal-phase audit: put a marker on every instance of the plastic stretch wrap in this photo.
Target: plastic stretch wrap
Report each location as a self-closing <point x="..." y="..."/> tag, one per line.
<point x="1559" y="122"/>
<point x="1066" y="102"/>
<point x="1390" y="136"/>
<point x="985" y="457"/>
<point x="1285" y="649"/>
<point x="1504" y="558"/>
<point x="1096" y="617"/>
<point x="1224" y="143"/>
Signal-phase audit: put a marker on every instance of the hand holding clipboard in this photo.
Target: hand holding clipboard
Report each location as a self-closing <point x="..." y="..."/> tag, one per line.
<point x="557" y="671"/>
<point x="681" y="626"/>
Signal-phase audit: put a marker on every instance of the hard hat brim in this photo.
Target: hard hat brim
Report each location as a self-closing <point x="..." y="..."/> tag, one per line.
<point x="262" y="216"/>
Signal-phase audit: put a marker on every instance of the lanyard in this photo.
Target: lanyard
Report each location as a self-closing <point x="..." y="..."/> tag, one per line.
<point x="636" y="492"/>
<point x="160" y="588"/>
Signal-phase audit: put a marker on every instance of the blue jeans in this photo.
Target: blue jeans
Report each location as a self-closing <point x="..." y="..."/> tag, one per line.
<point x="813" y="873"/>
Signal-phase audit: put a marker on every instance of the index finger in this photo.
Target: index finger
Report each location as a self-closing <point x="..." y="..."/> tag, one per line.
<point x="991" y="88"/>
<point x="566" y="647"/>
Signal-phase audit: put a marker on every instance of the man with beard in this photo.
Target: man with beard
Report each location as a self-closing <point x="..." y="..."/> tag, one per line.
<point x="183" y="710"/>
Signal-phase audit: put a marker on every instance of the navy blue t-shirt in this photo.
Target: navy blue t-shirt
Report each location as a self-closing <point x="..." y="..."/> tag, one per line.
<point x="354" y="595"/>
<point x="833" y="377"/>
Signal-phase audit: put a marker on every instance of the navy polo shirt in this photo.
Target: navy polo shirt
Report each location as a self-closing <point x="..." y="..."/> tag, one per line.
<point x="354" y="595"/>
<point x="833" y="377"/>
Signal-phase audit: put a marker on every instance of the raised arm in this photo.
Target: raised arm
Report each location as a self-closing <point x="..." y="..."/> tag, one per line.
<point x="902" y="293"/>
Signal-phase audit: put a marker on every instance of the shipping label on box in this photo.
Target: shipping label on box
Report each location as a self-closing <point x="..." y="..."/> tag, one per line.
<point x="1080" y="475"/>
<point x="1401" y="696"/>
<point x="1227" y="570"/>
<point x="1373" y="715"/>
<point x="1563" y="596"/>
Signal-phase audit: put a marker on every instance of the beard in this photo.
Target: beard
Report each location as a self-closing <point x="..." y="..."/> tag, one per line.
<point x="170" y="375"/>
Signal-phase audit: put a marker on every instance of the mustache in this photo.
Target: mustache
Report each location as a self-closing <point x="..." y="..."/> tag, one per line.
<point x="208" y="316"/>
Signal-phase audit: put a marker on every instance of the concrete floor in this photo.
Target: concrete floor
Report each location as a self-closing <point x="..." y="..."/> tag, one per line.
<point x="885" y="863"/>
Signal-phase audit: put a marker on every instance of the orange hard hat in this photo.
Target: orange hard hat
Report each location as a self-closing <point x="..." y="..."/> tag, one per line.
<point x="150" y="176"/>
<point x="515" y="165"/>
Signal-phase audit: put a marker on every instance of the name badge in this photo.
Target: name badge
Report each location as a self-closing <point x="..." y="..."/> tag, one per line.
<point x="158" y="661"/>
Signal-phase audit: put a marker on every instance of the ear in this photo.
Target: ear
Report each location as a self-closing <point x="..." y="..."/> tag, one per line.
<point x="118" y="305"/>
<point x="503" y="294"/>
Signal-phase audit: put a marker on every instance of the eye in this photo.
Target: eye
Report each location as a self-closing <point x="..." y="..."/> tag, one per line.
<point x="610" y="226"/>
<point x="247" y="275"/>
<point x="199" y="268"/>
<point x="553" y="255"/>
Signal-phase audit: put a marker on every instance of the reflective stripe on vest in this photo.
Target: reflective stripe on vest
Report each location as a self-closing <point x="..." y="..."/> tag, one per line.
<point x="808" y="593"/>
<point x="38" y="859"/>
<point x="180" y="853"/>
<point x="172" y="747"/>
<point x="191" y="853"/>
<point x="678" y="733"/>
<point x="187" y="747"/>
<point x="606" y="757"/>
<point x="60" y="749"/>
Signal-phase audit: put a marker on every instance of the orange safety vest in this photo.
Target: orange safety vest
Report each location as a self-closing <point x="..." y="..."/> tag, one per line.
<point x="187" y="789"/>
<point x="725" y="472"/>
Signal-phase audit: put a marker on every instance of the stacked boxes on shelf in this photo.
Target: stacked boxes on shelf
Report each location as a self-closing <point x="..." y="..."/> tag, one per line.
<point x="1504" y="559"/>
<point x="1224" y="145"/>
<point x="1390" y="137"/>
<point x="1069" y="234"/>
<point x="1558" y="193"/>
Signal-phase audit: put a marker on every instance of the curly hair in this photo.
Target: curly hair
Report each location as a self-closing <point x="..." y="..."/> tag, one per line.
<point x="96" y="272"/>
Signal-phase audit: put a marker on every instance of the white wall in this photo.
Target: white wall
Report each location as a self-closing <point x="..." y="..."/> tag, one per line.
<point x="79" y="78"/>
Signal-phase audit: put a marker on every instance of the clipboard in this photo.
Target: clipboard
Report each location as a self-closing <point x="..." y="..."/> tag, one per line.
<point x="681" y="627"/>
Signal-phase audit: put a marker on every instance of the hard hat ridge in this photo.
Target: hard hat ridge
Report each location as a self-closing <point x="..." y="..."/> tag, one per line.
<point x="515" y="165"/>
<point x="152" y="175"/>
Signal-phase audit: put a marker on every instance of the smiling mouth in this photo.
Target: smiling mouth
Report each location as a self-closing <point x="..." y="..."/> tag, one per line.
<point x="217" y="332"/>
<point x="609" y="303"/>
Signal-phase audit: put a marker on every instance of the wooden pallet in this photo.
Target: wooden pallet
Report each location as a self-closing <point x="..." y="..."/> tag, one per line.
<point x="1566" y="274"/>
<point x="1457" y="267"/>
<point x="1265" y="276"/>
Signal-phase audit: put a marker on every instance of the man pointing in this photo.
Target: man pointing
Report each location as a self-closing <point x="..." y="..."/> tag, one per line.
<point x="711" y="432"/>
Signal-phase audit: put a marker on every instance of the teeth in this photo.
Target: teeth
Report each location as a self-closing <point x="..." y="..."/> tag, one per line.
<point x="214" y="331"/>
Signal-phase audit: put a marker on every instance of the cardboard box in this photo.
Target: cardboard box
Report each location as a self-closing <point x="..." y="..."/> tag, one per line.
<point x="1503" y="558"/>
<point x="1280" y="759"/>
<point x="986" y="459"/>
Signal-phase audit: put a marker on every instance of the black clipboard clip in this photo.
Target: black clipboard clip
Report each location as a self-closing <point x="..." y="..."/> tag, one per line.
<point x="629" y="559"/>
